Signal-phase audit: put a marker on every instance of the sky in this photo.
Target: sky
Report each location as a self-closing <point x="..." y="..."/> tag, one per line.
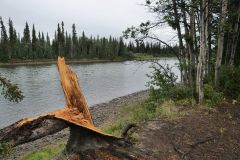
<point x="94" y="17"/>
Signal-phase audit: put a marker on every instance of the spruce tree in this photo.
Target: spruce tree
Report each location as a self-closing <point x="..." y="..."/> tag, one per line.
<point x="74" y="41"/>
<point x="27" y="41"/>
<point x="59" y="40"/>
<point x="4" y="42"/>
<point x="121" y="49"/>
<point x="48" y="47"/>
<point x="12" y="39"/>
<point x="34" y="42"/>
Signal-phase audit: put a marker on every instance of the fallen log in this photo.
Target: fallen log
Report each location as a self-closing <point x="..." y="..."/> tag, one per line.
<point x="75" y="115"/>
<point x="85" y="140"/>
<point x="84" y="136"/>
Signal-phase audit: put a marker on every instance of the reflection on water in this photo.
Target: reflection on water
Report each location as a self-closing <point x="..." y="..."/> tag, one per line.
<point x="100" y="82"/>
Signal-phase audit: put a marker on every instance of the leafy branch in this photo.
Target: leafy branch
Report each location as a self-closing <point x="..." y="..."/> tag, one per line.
<point x="10" y="91"/>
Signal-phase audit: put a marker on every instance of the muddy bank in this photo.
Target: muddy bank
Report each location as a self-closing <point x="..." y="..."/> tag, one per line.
<point x="101" y="114"/>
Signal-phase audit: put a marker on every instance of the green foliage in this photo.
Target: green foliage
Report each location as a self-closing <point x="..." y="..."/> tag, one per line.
<point x="5" y="148"/>
<point x="47" y="153"/>
<point x="162" y="80"/>
<point x="180" y="92"/>
<point x="10" y="91"/>
<point x="212" y="96"/>
<point x="163" y="85"/>
<point x="230" y="81"/>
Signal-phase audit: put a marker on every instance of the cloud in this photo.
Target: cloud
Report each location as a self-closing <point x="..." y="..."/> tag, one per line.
<point x="95" y="17"/>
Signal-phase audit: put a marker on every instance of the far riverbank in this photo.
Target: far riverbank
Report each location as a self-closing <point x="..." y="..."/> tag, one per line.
<point x="54" y="61"/>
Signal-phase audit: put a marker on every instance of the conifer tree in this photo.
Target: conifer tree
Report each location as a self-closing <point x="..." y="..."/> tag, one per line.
<point x="34" y="42"/>
<point x="4" y="42"/>
<point x="12" y="40"/>
<point x="74" y="41"/>
<point x="27" y="41"/>
<point x="59" y="40"/>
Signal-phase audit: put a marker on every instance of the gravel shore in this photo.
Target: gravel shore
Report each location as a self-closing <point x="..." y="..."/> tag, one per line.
<point x="101" y="114"/>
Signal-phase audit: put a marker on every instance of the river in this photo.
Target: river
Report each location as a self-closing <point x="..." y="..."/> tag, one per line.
<point x="100" y="82"/>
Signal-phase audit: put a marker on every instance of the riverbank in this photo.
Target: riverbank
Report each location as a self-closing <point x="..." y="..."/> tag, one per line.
<point x="53" y="61"/>
<point x="101" y="113"/>
<point x="175" y="131"/>
<point x="135" y="57"/>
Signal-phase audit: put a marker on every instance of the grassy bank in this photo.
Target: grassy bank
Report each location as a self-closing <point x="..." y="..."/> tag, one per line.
<point x="140" y="112"/>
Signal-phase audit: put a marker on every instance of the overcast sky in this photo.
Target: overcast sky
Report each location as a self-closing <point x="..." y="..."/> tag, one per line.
<point x="95" y="17"/>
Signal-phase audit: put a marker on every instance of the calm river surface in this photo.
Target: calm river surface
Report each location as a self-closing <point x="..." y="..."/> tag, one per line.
<point x="100" y="82"/>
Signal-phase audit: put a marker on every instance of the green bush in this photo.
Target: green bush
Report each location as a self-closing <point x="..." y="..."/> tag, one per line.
<point x="162" y="80"/>
<point x="180" y="92"/>
<point x="230" y="81"/>
<point x="212" y="96"/>
<point x="163" y="86"/>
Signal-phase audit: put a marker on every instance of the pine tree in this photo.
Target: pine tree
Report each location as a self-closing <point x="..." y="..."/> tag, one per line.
<point x="43" y="46"/>
<point x="121" y="49"/>
<point x="4" y="42"/>
<point x="27" y="41"/>
<point x="74" y="41"/>
<point x="12" y="40"/>
<point x="63" y="41"/>
<point x="34" y="42"/>
<point x="48" y="47"/>
<point x="59" y="40"/>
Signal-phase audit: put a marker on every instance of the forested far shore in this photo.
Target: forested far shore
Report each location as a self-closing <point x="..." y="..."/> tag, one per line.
<point x="35" y="45"/>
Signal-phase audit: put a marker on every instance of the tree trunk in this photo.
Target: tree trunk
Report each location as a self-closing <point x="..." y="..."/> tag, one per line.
<point x="220" y="41"/>
<point x="235" y="38"/>
<point x="203" y="51"/>
<point x="193" y="43"/>
<point x="181" y="47"/>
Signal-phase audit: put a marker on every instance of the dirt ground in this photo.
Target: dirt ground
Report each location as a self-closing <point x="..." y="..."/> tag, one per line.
<point x="206" y="134"/>
<point x="203" y="134"/>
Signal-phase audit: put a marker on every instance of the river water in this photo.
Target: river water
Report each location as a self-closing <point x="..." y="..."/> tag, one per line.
<point x="100" y="82"/>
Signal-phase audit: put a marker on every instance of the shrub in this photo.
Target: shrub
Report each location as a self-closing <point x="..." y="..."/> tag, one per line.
<point x="212" y="96"/>
<point x="163" y="86"/>
<point x="180" y="92"/>
<point x="162" y="80"/>
<point x="230" y="81"/>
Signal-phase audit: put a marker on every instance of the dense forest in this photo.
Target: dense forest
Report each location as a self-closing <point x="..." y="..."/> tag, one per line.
<point x="37" y="45"/>
<point x="208" y="40"/>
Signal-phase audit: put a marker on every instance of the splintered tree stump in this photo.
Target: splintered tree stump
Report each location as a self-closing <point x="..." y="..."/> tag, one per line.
<point x="84" y="136"/>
